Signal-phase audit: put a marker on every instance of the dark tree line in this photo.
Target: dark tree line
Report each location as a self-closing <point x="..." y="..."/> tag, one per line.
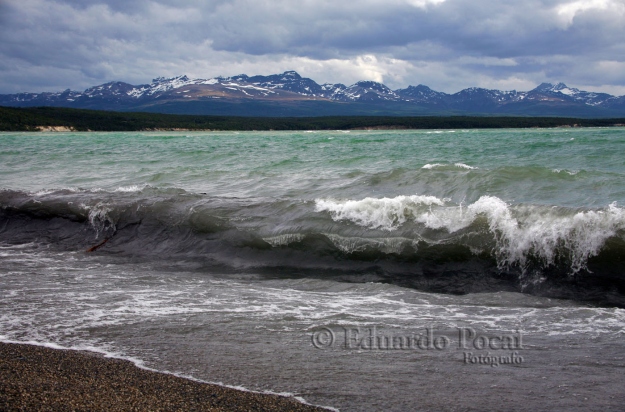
<point x="29" y="119"/>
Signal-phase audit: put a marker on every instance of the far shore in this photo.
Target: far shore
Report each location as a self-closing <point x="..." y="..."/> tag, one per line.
<point x="66" y="129"/>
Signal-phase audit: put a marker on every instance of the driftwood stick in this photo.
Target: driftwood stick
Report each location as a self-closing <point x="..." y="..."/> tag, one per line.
<point x="96" y="247"/>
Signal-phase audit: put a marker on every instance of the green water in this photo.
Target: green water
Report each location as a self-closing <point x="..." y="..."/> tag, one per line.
<point x="565" y="167"/>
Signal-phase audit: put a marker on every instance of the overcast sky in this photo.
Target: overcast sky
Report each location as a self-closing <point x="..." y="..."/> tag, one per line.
<point x="52" y="45"/>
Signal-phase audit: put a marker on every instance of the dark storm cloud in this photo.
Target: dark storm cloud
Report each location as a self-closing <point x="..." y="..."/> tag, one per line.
<point x="452" y="44"/>
<point x="482" y="27"/>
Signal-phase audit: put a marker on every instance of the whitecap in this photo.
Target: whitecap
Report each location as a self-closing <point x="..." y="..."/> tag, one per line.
<point x="385" y="213"/>
<point x="432" y="166"/>
<point x="464" y="166"/>
<point x="520" y="231"/>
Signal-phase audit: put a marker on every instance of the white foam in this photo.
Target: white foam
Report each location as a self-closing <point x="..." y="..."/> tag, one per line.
<point x="441" y="165"/>
<point x="44" y="192"/>
<point x="99" y="216"/>
<point x="519" y="231"/>
<point x="542" y="232"/>
<point x="384" y="245"/>
<point x="570" y="172"/>
<point x="432" y="166"/>
<point x="385" y="213"/>
<point x="284" y="239"/>
<point x="464" y="166"/>
<point x="131" y="188"/>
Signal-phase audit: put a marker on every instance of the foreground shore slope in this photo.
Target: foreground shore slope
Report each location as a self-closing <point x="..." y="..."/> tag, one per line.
<point x="44" y="379"/>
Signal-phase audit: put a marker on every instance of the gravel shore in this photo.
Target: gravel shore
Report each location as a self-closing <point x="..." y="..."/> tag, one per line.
<point x="34" y="378"/>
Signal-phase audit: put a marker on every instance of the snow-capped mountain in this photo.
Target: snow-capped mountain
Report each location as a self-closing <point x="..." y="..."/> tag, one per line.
<point x="422" y="94"/>
<point x="483" y="98"/>
<point x="206" y="96"/>
<point x="365" y="91"/>
<point x="547" y="91"/>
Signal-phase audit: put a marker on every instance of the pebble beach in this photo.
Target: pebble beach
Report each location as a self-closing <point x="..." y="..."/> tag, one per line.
<point x="43" y="379"/>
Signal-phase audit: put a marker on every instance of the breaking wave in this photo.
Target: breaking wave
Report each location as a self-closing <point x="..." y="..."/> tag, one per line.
<point x="521" y="234"/>
<point x="420" y="241"/>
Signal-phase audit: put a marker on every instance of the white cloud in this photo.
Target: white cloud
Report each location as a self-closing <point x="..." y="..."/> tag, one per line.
<point x="603" y="88"/>
<point x="424" y="3"/>
<point x="568" y="11"/>
<point x="349" y="71"/>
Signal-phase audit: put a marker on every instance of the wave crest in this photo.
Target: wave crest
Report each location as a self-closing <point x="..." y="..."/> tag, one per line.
<point x="522" y="234"/>
<point x="385" y="213"/>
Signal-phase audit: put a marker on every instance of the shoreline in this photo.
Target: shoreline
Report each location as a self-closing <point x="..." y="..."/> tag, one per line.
<point x="65" y="129"/>
<point x="34" y="377"/>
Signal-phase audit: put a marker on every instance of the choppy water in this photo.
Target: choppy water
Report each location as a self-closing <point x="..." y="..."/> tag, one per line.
<point x="230" y="256"/>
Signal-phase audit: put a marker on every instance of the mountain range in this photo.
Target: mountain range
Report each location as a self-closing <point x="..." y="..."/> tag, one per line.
<point x="289" y="94"/>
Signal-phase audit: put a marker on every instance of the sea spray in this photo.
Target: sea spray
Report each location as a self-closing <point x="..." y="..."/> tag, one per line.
<point x="520" y="232"/>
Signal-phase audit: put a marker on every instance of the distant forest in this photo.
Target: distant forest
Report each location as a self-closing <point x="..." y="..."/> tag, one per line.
<point x="32" y="119"/>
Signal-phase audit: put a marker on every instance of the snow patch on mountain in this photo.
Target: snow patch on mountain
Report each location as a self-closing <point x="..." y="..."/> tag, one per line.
<point x="290" y="83"/>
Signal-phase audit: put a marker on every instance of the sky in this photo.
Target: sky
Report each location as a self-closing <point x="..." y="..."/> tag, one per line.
<point x="449" y="45"/>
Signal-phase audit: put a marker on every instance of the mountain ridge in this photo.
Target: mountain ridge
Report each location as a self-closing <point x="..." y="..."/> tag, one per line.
<point x="288" y="93"/>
